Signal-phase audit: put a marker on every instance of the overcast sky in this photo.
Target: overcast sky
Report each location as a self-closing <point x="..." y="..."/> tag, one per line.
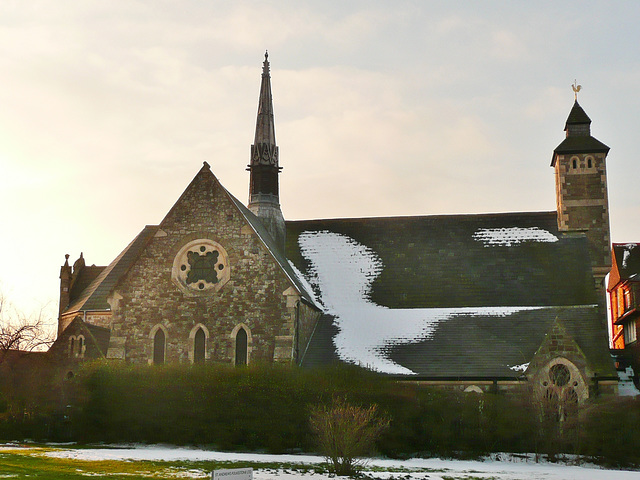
<point x="109" y="108"/>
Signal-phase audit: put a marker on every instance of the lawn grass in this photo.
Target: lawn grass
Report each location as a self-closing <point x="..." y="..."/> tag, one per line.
<point x="33" y="462"/>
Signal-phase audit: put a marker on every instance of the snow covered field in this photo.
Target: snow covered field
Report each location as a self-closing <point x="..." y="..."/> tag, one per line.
<point x="501" y="468"/>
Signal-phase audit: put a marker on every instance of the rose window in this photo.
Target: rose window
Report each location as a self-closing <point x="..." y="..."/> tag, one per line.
<point x="201" y="267"/>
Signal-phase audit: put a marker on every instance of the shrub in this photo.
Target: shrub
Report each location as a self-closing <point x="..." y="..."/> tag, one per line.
<point x="346" y="433"/>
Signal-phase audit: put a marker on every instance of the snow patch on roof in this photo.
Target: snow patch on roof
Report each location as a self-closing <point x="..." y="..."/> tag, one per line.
<point x="507" y="237"/>
<point x="305" y="284"/>
<point x="343" y="271"/>
<point x="627" y="254"/>
<point x="520" y="368"/>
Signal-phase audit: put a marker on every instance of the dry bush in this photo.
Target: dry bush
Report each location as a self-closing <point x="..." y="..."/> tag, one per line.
<point x="346" y="433"/>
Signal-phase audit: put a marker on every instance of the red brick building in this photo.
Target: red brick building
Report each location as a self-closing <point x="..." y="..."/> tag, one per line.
<point x="623" y="289"/>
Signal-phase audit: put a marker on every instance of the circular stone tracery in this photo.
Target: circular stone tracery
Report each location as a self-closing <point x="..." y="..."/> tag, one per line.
<point x="562" y="389"/>
<point x="201" y="267"/>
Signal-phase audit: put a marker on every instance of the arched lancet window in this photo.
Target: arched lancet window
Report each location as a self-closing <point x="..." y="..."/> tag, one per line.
<point x="199" y="342"/>
<point x="589" y="162"/>
<point x="159" y="345"/>
<point x="575" y="163"/>
<point x="241" y="347"/>
<point x="72" y="345"/>
<point x="80" y="346"/>
<point x="242" y="344"/>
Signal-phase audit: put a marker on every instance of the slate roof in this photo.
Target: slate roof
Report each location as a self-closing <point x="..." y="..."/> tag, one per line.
<point x="477" y="292"/>
<point x="94" y="297"/>
<point x="84" y="279"/>
<point x="435" y="261"/>
<point x="577" y="116"/>
<point x="586" y="144"/>
<point x="580" y="141"/>
<point x="626" y="257"/>
<point x="488" y="347"/>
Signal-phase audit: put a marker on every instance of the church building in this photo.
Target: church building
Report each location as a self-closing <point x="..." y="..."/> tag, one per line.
<point x="483" y="302"/>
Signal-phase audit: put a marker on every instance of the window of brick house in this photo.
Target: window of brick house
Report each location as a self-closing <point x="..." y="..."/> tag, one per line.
<point x="628" y="299"/>
<point x="630" y="332"/>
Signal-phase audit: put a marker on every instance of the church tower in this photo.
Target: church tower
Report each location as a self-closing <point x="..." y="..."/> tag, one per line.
<point x="264" y="200"/>
<point x="581" y="188"/>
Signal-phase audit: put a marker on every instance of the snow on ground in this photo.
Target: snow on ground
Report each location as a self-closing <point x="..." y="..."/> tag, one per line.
<point x="498" y="467"/>
<point x="626" y="387"/>
<point x="506" y="237"/>
<point x="343" y="270"/>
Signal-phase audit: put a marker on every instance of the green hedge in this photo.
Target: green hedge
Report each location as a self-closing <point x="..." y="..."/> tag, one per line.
<point x="266" y="408"/>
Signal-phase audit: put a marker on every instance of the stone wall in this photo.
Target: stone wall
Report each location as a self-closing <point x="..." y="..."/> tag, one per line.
<point x="582" y="202"/>
<point x="168" y="287"/>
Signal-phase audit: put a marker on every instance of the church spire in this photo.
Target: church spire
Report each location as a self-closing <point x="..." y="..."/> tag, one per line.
<point x="264" y="168"/>
<point x="264" y="149"/>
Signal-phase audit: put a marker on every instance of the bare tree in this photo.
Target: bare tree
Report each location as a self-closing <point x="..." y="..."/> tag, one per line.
<point x="20" y="332"/>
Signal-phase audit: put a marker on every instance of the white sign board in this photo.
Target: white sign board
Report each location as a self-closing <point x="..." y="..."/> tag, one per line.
<point x="233" y="474"/>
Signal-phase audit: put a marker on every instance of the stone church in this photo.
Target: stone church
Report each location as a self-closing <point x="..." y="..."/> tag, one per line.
<point x="484" y="302"/>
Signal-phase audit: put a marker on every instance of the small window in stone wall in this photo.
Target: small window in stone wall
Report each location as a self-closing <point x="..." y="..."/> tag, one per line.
<point x="159" y="344"/>
<point x="77" y="346"/>
<point x="199" y="342"/>
<point x="241" y="347"/>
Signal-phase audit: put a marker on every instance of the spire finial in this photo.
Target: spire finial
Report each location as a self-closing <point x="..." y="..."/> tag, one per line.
<point x="576" y="88"/>
<point x="265" y="65"/>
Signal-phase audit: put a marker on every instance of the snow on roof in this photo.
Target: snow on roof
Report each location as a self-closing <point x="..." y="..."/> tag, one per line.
<point x="507" y="237"/>
<point x="627" y="254"/>
<point x="342" y="270"/>
<point x="305" y="284"/>
<point x="520" y="368"/>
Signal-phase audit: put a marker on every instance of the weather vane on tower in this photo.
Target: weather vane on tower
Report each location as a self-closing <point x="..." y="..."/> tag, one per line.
<point x="576" y="88"/>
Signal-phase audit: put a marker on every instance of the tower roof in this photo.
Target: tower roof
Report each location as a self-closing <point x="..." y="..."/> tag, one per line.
<point x="265" y="150"/>
<point x="577" y="116"/>
<point x="578" y="136"/>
